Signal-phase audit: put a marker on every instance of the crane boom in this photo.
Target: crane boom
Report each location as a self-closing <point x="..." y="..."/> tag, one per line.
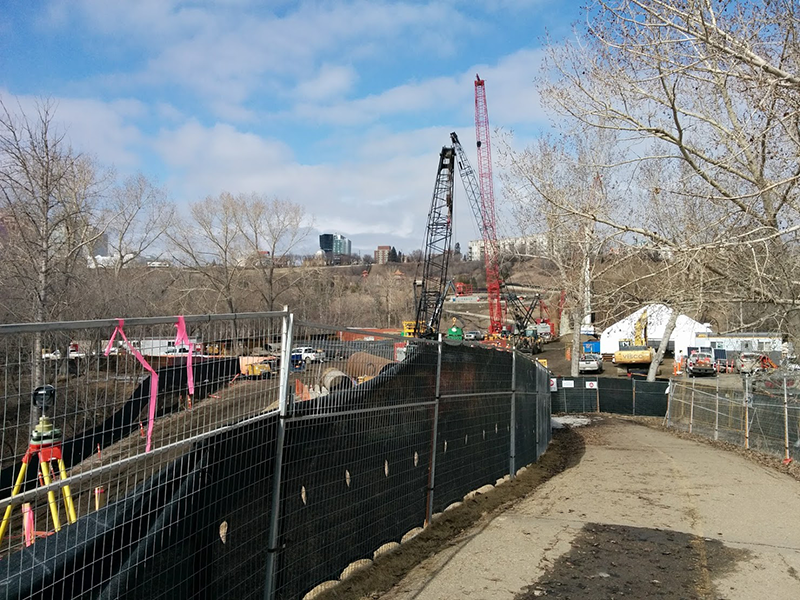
<point x="430" y="291"/>
<point x="481" y="196"/>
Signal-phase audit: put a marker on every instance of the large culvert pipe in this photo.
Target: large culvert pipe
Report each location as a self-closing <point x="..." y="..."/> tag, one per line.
<point x="333" y="379"/>
<point x="364" y="364"/>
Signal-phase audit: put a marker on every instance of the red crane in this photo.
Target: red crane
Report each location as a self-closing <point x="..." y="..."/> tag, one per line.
<point x="489" y="226"/>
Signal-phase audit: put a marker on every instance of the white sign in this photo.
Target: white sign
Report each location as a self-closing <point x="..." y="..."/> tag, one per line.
<point x="567" y="383"/>
<point x="553" y="384"/>
<point x="591" y="385"/>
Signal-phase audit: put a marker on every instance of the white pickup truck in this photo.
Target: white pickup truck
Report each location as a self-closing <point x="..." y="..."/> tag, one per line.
<point x="309" y="354"/>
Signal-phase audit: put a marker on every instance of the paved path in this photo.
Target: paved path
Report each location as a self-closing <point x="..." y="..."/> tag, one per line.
<point x="636" y="476"/>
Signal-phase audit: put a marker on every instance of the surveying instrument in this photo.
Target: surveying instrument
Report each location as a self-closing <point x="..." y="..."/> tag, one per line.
<point x="45" y="442"/>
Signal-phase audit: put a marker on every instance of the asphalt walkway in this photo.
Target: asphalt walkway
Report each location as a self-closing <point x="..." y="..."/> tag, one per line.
<point x="636" y="476"/>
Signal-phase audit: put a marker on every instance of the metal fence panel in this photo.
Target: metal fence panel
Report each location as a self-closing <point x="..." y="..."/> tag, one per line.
<point x="616" y="395"/>
<point x="474" y="421"/>
<point x="573" y="396"/>
<point x="649" y="398"/>
<point x="270" y="472"/>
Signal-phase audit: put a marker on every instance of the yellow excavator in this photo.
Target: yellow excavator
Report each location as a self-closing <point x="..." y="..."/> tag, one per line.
<point x="634" y="352"/>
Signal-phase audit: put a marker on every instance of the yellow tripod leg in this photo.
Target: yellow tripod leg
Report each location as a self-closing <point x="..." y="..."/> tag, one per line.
<point x="14" y="492"/>
<point x="68" y="503"/>
<point x="51" y="496"/>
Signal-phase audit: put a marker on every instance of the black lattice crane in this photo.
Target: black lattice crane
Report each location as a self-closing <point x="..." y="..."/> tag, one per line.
<point x="430" y="290"/>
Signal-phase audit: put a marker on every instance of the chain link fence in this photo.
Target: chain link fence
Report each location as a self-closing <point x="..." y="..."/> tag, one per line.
<point x="765" y="421"/>
<point x="240" y="456"/>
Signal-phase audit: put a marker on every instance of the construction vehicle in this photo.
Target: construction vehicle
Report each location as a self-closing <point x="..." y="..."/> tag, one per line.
<point x="635" y="352"/>
<point x="429" y="291"/>
<point x="263" y="369"/>
<point x="481" y="197"/>
<point x="525" y="335"/>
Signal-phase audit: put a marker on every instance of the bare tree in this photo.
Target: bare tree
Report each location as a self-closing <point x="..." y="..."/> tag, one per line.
<point x="709" y="91"/>
<point x="211" y="249"/>
<point x="272" y="229"/>
<point x="541" y="181"/>
<point x="138" y="215"/>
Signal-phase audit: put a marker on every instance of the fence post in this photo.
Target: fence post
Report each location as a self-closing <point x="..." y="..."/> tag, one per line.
<point x="633" y="403"/>
<point x="691" y="409"/>
<point x="670" y="388"/>
<point x="716" y="411"/>
<point x="272" y="542"/>
<point x="786" y="458"/>
<point x="747" y="411"/>
<point x="435" y="435"/>
<point x="512" y="450"/>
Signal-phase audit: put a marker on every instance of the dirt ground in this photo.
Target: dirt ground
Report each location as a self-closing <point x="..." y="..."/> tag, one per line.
<point x="636" y="512"/>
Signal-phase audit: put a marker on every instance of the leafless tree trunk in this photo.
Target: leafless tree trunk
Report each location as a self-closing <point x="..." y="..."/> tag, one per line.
<point x="48" y="198"/>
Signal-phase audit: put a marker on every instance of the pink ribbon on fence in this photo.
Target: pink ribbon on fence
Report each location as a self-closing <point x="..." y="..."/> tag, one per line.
<point x="183" y="338"/>
<point x="153" y="378"/>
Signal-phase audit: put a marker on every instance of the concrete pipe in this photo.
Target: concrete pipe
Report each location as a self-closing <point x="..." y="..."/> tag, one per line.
<point x="333" y="379"/>
<point x="364" y="364"/>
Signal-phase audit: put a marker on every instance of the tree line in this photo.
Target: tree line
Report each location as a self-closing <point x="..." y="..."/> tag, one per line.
<point x="74" y="237"/>
<point x="676" y="137"/>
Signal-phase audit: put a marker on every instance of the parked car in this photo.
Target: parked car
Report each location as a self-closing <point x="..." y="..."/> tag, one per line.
<point x="475" y="336"/>
<point x="309" y="354"/>
<point x="590" y="363"/>
<point x="701" y="363"/>
<point x="749" y="362"/>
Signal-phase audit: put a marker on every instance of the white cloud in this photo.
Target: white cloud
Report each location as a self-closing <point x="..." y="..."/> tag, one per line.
<point x="331" y="81"/>
<point x="101" y="129"/>
<point x="512" y="97"/>
<point x="228" y="56"/>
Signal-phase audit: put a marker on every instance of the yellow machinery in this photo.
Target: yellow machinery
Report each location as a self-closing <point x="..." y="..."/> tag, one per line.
<point x="262" y="369"/>
<point x="635" y="352"/>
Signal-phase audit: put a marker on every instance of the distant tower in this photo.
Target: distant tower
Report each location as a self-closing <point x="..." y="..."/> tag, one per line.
<point x="341" y="245"/>
<point x="326" y="242"/>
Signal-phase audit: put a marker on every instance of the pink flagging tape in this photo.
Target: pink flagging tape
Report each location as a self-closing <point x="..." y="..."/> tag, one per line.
<point x="28" y="524"/>
<point x="183" y="338"/>
<point x="153" y="378"/>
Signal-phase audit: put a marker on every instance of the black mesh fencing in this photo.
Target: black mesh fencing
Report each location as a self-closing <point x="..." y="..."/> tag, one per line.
<point x="575" y="396"/>
<point x="650" y="398"/>
<point x="610" y="395"/>
<point x="616" y="395"/>
<point x="302" y="451"/>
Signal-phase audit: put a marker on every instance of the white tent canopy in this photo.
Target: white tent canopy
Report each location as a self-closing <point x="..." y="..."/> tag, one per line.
<point x="682" y="336"/>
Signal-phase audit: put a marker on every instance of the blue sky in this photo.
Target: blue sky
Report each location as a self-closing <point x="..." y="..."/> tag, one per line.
<point x="341" y="106"/>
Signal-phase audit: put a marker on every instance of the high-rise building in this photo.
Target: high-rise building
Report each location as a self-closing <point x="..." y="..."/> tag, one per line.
<point x="326" y="242"/>
<point x="341" y="245"/>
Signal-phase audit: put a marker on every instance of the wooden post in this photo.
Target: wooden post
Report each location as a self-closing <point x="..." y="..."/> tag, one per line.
<point x="786" y="458"/>
<point x="747" y="413"/>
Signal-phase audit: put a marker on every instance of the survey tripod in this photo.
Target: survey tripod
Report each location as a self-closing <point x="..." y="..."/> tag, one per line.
<point x="45" y="442"/>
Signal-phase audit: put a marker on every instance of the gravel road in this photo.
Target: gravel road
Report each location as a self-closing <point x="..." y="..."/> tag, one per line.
<point x="643" y="514"/>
